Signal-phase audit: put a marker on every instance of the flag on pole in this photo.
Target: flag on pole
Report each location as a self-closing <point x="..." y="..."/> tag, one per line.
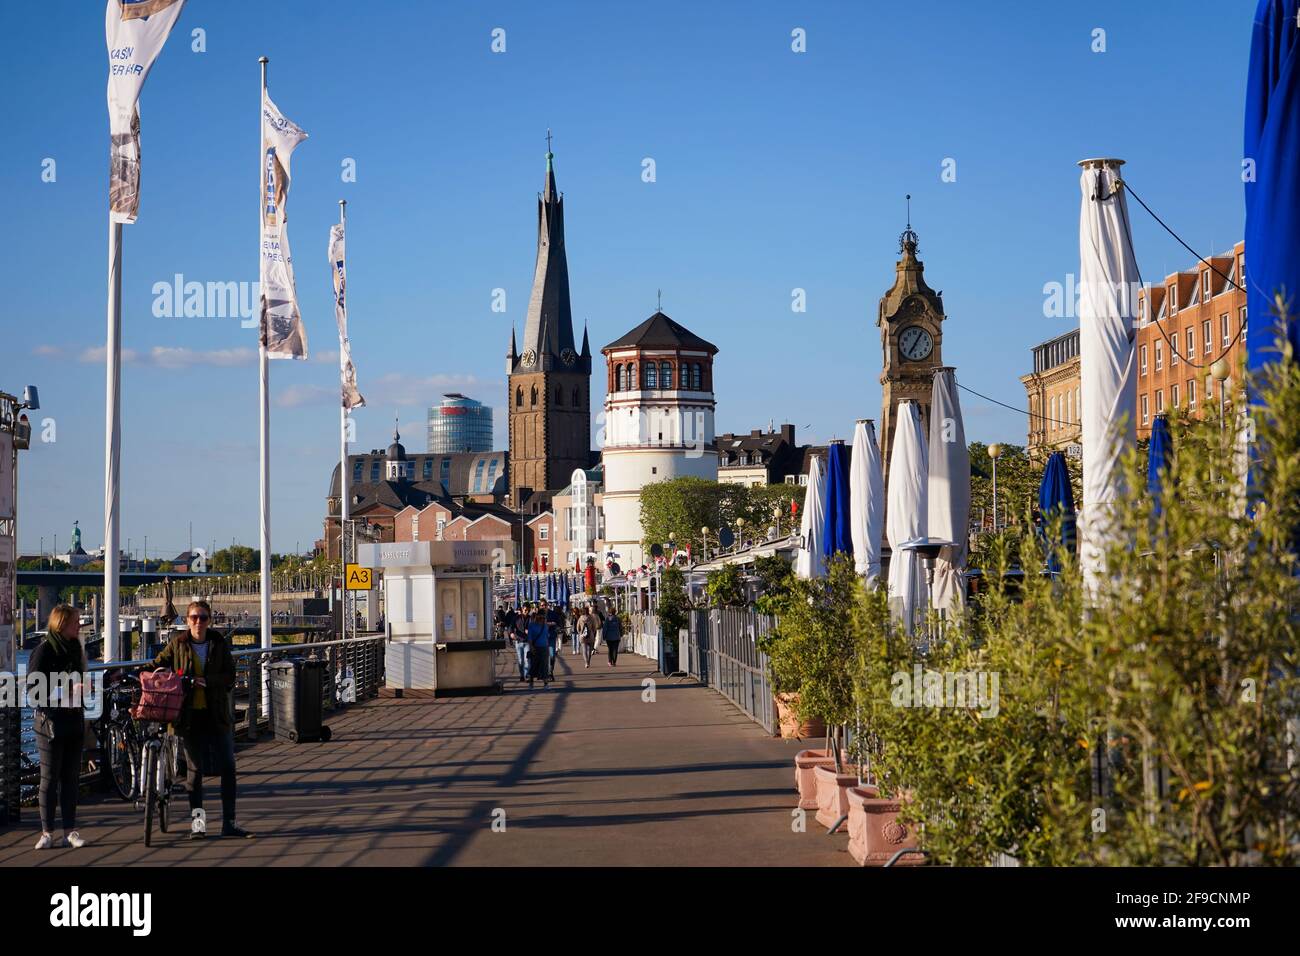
<point x="347" y="372"/>
<point x="136" y="31"/>
<point x="282" y="332"/>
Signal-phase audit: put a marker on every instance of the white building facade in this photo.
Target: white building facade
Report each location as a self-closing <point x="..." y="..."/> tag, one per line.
<point x="659" y="410"/>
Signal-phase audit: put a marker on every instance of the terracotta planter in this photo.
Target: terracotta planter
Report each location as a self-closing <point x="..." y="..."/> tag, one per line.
<point x="832" y="795"/>
<point x="791" y="727"/>
<point x="875" y="834"/>
<point x="805" y="762"/>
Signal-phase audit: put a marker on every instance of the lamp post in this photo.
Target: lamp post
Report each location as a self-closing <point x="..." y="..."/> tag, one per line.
<point x="776" y="514"/>
<point x="1219" y="371"/>
<point x="740" y="533"/>
<point x="704" y="533"/>
<point x="995" y="452"/>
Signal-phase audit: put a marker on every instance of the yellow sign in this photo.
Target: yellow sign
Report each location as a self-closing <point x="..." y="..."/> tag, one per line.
<point x="359" y="578"/>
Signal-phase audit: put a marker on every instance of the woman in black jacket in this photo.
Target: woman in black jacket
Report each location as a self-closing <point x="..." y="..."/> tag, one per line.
<point x="59" y="721"/>
<point x="203" y="656"/>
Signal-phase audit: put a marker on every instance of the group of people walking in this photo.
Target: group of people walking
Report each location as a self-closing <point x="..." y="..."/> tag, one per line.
<point x="200" y="655"/>
<point x="537" y="632"/>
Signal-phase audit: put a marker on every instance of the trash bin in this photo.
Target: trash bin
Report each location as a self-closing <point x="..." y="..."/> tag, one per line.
<point x="296" y="700"/>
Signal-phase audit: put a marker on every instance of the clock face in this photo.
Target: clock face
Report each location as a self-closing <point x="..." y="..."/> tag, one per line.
<point x="915" y="343"/>
<point x="530" y="358"/>
<point x="568" y="356"/>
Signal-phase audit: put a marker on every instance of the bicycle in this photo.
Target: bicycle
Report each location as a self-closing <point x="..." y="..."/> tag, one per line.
<point x="158" y="772"/>
<point x="119" y="739"/>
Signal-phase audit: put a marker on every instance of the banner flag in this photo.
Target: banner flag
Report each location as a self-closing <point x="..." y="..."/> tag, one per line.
<point x="136" y="31"/>
<point x="347" y="372"/>
<point x="282" y="332"/>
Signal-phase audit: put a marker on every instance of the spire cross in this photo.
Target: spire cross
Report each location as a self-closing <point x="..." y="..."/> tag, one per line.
<point x="548" y="139"/>
<point x="909" y="210"/>
<point x="659" y="296"/>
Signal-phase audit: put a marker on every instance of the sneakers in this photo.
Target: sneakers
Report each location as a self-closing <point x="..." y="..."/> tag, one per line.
<point x="232" y="829"/>
<point x="45" y="842"/>
<point x="198" y="824"/>
<point x="73" y="840"/>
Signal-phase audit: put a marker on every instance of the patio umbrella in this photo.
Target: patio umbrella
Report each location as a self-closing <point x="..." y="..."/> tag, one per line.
<point x="1272" y="141"/>
<point x="837" y="533"/>
<point x="907" y="513"/>
<point x="519" y="591"/>
<point x="1056" y="500"/>
<point x="169" y="612"/>
<point x="564" y="589"/>
<point x="948" y="491"/>
<point x="810" y="562"/>
<point x="866" y="500"/>
<point x="1160" y="454"/>
<point x="1108" y="278"/>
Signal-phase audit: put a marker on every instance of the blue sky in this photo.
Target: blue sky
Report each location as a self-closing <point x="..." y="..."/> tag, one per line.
<point x="774" y="171"/>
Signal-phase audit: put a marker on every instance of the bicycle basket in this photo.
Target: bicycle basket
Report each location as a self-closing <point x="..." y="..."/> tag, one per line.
<point x="161" y="696"/>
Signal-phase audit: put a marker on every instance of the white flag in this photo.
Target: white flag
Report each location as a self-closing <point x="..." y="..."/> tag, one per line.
<point x="347" y="372"/>
<point x="136" y="31"/>
<point x="282" y="332"/>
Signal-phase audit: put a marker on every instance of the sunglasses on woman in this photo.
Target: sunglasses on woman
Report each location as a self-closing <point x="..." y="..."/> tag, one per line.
<point x="198" y="617"/>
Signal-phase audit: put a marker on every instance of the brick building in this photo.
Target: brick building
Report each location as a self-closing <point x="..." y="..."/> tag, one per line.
<point x="1053" y="393"/>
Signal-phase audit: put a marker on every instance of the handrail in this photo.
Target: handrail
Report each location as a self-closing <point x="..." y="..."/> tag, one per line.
<point x="242" y="651"/>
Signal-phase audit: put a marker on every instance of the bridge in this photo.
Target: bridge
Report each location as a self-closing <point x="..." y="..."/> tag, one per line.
<point x="591" y="771"/>
<point x="90" y="579"/>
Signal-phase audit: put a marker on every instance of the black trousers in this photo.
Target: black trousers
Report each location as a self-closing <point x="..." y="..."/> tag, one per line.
<point x="613" y="651"/>
<point x="539" y="662"/>
<point x="203" y="737"/>
<point x="60" y="777"/>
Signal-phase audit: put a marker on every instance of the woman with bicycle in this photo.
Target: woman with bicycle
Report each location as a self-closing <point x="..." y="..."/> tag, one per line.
<point x="60" y="723"/>
<point x="203" y="658"/>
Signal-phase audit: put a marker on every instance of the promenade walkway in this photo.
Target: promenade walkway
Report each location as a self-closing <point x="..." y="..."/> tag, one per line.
<point x="584" y="773"/>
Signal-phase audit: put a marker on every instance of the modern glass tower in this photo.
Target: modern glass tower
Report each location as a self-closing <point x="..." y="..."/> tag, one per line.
<point x="459" y="424"/>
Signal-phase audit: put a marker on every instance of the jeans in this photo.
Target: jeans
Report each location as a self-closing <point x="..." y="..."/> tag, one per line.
<point x="521" y="653"/>
<point x="613" y="651"/>
<point x="555" y="649"/>
<point x="586" y="652"/>
<point x="222" y="743"/>
<point x="60" y="777"/>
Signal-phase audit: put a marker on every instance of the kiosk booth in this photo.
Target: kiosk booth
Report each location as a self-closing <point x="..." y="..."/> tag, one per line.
<point x="438" y="611"/>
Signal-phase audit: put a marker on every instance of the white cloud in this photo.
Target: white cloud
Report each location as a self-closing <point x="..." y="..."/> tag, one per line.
<point x="398" y="388"/>
<point x="326" y="357"/>
<point x="173" y="357"/>
<point x="296" y="395"/>
<point x="48" y="351"/>
<point x="98" y="353"/>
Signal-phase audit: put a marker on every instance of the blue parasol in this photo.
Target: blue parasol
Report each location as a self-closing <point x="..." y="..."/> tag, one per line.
<point x="1160" y="456"/>
<point x="1056" y="502"/>
<point x="837" y="534"/>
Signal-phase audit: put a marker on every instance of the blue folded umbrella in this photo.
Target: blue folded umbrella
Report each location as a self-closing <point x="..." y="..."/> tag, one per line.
<point x="837" y="530"/>
<point x="1056" y="502"/>
<point x="1160" y="455"/>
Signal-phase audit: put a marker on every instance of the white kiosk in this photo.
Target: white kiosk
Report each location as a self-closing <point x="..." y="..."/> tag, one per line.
<point x="438" y="609"/>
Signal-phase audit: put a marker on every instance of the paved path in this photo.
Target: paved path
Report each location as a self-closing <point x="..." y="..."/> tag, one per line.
<point x="585" y="773"/>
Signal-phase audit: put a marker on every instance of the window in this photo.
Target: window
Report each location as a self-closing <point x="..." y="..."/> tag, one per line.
<point x="442" y="524"/>
<point x="1160" y="401"/>
<point x="1207" y="337"/>
<point x="1173" y="350"/>
<point x="543" y="532"/>
<point x="533" y="396"/>
<point x="1160" y="356"/>
<point x="478" y="475"/>
<point x="1190" y="339"/>
<point x="666" y="373"/>
<point x="1205" y="283"/>
<point x="651" y="375"/>
<point x="415" y="527"/>
<point x="1191" y="393"/>
<point x="427" y="473"/>
<point x="1143" y="354"/>
<point x="356" y="471"/>
<point x="695" y="376"/>
<point x="1173" y="394"/>
<point x="1142" y="310"/>
<point x="620" y="379"/>
<point x="1146" y="411"/>
<point x="1227" y="338"/>
<point x="1069" y="407"/>
<point x="444" y="473"/>
<point x="374" y="470"/>
<point x="631" y="377"/>
<point x="1173" y="299"/>
<point x="803" y="481"/>
<point x="492" y="475"/>
<point x="519" y="397"/>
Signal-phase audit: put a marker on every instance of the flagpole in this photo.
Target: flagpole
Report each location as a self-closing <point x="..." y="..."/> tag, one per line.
<point x="343" y="463"/>
<point x="113" y="442"/>
<point x="264" y="415"/>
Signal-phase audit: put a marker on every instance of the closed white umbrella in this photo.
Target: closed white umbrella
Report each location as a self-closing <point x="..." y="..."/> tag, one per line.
<point x="866" y="500"/>
<point x="907" y="515"/>
<point x="1108" y="280"/>
<point x="948" y="491"/>
<point x="810" y="562"/>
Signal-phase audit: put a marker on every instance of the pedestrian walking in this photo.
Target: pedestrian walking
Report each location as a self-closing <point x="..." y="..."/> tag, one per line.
<point x="59" y="721"/>
<point x="588" y="631"/>
<point x="203" y="656"/>
<point x="611" y="633"/>
<point x="519" y="635"/>
<point x="540" y="645"/>
<point x="555" y="627"/>
<point x="576" y="614"/>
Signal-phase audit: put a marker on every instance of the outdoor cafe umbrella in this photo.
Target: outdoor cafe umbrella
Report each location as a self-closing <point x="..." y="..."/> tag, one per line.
<point x="866" y="500"/>
<point x="837" y="534"/>
<point x="809" y="561"/>
<point x="1272" y="143"/>
<point x="1108" y="279"/>
<point x="1056" y="503"/>
<point x="907" y="514"/>
<point x="948" y="491"/>
<point x="1160" y="455"/>
<point x="519" y="591"/>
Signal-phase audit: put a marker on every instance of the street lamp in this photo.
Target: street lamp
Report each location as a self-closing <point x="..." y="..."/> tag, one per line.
<point x="704" y="533"/>
<point x="740" y="532"/>
<point x="1219" y="370"/>
<point x="776" y="515"/>
<point x="995" y="452"/>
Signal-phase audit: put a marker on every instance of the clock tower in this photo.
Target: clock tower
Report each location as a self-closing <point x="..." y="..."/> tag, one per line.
<point x="911" y="337"/>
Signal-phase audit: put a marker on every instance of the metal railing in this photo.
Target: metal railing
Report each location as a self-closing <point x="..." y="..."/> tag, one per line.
<point x="721" y="651"/>
<point x="242" y="583"/>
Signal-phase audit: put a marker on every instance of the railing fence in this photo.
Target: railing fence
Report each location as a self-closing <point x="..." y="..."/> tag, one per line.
<point x="721" y="651"/>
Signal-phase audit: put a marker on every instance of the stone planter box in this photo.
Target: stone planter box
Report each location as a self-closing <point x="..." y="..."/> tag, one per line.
<point x="791" y="727"/>
<point x="805" y="762"/>
<point x="832" y="794"/>
<point x="875" y="834"/>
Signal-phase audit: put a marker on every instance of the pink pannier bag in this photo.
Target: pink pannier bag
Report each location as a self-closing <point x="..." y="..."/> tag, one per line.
<point x="161" y="696"/>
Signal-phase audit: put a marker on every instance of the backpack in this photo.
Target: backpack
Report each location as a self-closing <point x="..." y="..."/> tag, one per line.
<point x="162" y="694"/>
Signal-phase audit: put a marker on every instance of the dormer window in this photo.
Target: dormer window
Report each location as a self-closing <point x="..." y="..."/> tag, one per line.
<point x="1173" y="299"/>
<point x="1205" y="284"/>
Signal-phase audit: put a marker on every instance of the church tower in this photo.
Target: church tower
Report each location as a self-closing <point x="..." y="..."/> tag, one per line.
<point x="911" y="336"/>
<point x="549" y="381"/>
